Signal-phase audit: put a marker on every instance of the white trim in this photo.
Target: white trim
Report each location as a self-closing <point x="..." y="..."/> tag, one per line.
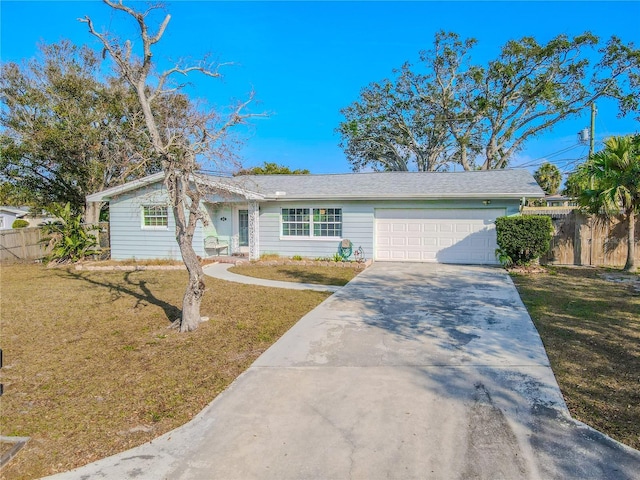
<point x="153" y="227"/>
<point x="311" y="236"/>
<point x="215" y="182"/>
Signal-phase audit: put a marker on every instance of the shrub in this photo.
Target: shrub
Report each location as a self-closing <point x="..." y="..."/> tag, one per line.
<point x="19" y="223"/>
<point x="296" y="257"/>
<point x="68" y="238"/>
<point x="522" y="239"/>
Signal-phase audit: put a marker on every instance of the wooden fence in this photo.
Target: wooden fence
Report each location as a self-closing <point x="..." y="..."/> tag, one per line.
<point x="580" y="239"/>
<point x="25" y="244"/>
<point x="20" y="244"/>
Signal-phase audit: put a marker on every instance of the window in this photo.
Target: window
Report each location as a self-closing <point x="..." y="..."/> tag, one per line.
<point x="317" y="222"/>
<point x="154" y="216"/>
<point x="295" y="222"/>
<point x="243" y="228"/>
<point x="327" y="222"/>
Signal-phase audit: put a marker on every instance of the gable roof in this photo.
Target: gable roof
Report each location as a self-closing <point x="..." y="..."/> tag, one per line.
<point x="508" y="183"/>
<point x="208" y="180"/>
<point x="17" y="211"/>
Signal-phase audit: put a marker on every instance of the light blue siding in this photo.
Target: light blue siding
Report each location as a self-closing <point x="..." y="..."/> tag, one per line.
<point x="357" y="226"/>
<point x="128" y="237"/>
<point x="130" y="240"/>
<point x="358" y="221"/>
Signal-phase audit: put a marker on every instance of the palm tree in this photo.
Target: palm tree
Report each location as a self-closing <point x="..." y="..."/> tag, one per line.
<point x="548" y="177"/>
<point x="614" y="176"/>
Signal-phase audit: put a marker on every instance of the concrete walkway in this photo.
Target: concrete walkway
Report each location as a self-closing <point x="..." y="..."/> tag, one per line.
<point x="221" y="271"/>
<point x="411" y="371"/>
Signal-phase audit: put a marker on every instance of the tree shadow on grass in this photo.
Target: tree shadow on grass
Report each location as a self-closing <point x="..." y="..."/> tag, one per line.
<point x="136" y="289"/>
<point x="313" y="277"/>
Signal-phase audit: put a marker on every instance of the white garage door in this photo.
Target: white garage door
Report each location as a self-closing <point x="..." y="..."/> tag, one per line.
<point x="437" y="235"/>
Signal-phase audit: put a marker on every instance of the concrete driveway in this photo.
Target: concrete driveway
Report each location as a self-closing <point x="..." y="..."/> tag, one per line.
<point x="411" y="371"/>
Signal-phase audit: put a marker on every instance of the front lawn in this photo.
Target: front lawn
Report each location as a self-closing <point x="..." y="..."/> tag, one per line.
<point x="298" y="273"/>
<point x="590" y="327"/>
<point x="91" y="369"/>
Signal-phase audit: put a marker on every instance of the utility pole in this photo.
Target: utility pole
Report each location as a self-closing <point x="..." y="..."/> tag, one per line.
<point x="592" y="139"/>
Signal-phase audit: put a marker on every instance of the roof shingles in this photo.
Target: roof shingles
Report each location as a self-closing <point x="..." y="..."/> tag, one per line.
<point x="499" y="183"/>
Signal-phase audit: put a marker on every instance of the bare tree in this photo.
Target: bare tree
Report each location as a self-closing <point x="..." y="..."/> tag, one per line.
<point x="180" y="143"/>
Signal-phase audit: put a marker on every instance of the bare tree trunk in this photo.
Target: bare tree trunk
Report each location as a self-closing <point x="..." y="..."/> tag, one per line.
<point x="179" y="189"/>
<point x="195" y="288"/>
<point x="631" y="242"/>
<point x="176" y="145"/>
<point x="92" y="213"/>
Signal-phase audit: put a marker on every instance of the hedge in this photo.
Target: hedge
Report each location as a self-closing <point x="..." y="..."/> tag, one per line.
<point x="523" y="239"/>
<point x="19" y="223"/>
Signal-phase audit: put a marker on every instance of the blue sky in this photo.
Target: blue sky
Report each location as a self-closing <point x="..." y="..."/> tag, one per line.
<point x="307" y="60"/>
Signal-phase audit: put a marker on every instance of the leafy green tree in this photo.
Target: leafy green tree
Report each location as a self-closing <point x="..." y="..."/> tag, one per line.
<point x="576" y="183"/>
<point x="620" y="79"/>
<point x="548" y="177"/>
<point x="66" y="131"/>
<point x="272" y="168"/>
<point x="612" y="176"/>
<point x="447" y="109"/>
<point x="392" y="128"/>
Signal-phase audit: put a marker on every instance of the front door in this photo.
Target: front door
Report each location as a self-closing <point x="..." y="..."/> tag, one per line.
<point x="243" y="228"/>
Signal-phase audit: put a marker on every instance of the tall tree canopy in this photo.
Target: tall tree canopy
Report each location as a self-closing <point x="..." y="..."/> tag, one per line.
<point x="548" y="177"/>
<point x="67" y="131"/>
<point x="272" y="168"/>
<point x="181" y="139"/>
<point x="609" y="182"/>
<point x="447" y="109"/>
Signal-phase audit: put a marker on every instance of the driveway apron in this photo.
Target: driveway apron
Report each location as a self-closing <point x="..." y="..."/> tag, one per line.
<point x="411" y="371"/>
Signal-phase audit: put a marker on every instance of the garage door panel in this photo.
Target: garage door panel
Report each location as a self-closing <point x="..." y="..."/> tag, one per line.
<point x="398" y="241"/>
<point x="436" y="235"/>
<point x="383" y="228"/>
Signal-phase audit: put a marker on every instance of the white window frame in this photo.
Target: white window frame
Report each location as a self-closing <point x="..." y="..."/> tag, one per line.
<point x="311" y="223"/>
<point x="144" y="215"/>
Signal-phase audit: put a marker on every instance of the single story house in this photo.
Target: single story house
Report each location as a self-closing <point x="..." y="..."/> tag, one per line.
<point x="393" y="216"/>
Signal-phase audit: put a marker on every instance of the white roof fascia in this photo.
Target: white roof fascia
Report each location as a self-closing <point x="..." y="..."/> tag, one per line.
<point x="109" y="193"/>
<point x="248" y="194"/>
<point x="435" y="196"/>
<point x="124" y="188"/>
<point x="15" y="211"/>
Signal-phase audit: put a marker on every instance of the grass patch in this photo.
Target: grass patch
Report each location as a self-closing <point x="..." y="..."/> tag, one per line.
<point x="590" y="327"/>
<point x="298" y="273"/>
<point x="91" y="369"/>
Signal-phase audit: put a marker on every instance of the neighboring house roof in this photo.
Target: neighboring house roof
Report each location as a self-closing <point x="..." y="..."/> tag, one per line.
<point x="17" y="211"/>
<point x="508" y="183"/>
<point x="553" y="212"/>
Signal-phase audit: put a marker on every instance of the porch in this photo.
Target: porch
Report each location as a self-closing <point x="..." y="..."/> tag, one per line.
<point x="231" y="231"/>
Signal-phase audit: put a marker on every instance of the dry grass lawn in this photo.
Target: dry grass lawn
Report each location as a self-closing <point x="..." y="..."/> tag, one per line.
<point x="91" y="369"/>
<point x="591" y="330"/>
